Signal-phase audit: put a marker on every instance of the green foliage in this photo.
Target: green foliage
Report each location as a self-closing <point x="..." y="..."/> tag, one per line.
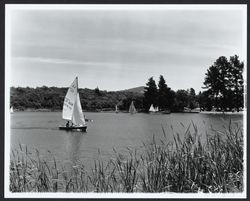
<point x="164" y="96"/>
<point x="150" y="94"/>
<point x="236" y="78"/>
<point x="224" y="82"/>
<point x="52" y="98"/>
<point x="205" y="101"/>
<point x="167" y="99"/>
<point x="193" y="100"/>
<point x="97" y="91"/>
<point x="181" y="99"/>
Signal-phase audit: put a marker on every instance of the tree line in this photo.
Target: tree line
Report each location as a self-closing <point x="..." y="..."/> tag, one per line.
<point x="22" y="98"/>
<point x="165" y="98"/>
<point x="223" y="84"/>
<point x="223" y="90"/>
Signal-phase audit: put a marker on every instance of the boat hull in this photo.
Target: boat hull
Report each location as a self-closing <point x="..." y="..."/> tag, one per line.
<point x="166" y="112"/>
<point x="74" y="128"/>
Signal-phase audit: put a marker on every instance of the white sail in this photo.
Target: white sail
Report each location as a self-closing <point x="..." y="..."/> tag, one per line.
<point x="151" y="109"/>
<point x="69" y="101"/>
<point x="116" y="108"/>
<point x="132" y="109"/>
<point x="77" y="117"/>
<point x="11" y="110"/>
<point x="157" y="109"/>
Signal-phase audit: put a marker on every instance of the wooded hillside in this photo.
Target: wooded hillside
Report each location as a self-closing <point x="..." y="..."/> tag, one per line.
<point x="52" y="98"/>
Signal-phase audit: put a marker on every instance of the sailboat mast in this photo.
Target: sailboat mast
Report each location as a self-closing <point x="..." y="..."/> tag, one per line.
<point x="72" y="120"/>
<point x="76" y="83"/>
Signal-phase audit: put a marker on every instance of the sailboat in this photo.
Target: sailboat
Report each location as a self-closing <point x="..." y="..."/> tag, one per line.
<point x="132" y="109"/>
<point x="151" y="109"/>
<point x="72" y="110"/>
<point x="157" y="109"/>
<point x="116" y="109"/>
<point x="11" y="110"/>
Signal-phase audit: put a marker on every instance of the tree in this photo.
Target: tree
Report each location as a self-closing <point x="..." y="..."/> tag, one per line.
<point x="237" y="81"/>
<point x="205" y="100"/>
<point x="150" y="94"/>
<point x="97" y="91"/>
<point x="224" y="82"/>
<point x="181" y="99"/>
<point x="215" y="79"/>
<point x="192" y="92"/>
<point x="163" y="94"/>
<point x="53" y="97"/>
<point x="192" y="99"/>
<point x="171" y="100"/>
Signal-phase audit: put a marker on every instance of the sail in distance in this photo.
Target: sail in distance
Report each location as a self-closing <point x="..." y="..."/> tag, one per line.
<point x="132" y="109"/>
<point x="152" y="109"/>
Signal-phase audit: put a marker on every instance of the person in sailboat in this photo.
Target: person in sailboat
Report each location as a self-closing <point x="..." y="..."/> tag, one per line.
<point x="67" y="124"/>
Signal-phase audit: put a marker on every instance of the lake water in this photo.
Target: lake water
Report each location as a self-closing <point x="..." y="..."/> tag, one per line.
<point x="107" y="131"/>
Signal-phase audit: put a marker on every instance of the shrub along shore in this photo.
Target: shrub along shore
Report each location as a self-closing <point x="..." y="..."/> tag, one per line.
<point x="185" y="165"/>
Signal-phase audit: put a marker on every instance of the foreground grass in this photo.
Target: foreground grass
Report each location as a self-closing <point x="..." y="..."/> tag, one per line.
<point x="184" y="165"/>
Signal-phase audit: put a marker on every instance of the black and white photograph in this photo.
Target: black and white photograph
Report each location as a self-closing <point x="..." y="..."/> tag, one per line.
<point x="125" y="101"/>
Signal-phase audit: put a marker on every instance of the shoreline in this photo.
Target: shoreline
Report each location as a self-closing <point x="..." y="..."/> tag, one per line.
<point x="225" y="113"/>
<point x="111" y="111"/>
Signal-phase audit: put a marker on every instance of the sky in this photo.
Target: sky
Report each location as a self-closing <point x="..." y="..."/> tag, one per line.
<point x="121" y="48"/>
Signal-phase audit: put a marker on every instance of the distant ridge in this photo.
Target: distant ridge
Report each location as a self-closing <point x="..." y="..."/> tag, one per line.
<point x="135" y="89"/>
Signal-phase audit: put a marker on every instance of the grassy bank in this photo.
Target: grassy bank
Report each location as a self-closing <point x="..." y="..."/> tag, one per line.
<point x="184" y="165"/>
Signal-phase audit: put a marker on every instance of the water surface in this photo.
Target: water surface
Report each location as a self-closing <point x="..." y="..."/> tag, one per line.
<point x="107" y="131"/>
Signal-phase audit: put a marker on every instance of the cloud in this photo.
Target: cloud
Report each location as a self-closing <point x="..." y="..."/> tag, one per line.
<point x="51" y="60"/>
<point x="125" y="42"/>
<point x="66" y="63"/>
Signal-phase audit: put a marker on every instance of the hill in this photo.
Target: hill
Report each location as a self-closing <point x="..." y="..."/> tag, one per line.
<point x="92" y="100"/>
<point x="135" y="90"/>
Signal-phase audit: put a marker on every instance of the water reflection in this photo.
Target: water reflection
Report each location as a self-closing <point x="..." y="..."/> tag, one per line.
<point x="73" y="140"/>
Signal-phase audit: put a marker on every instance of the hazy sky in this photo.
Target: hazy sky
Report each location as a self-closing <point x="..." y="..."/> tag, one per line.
<point x="120" y="49"/>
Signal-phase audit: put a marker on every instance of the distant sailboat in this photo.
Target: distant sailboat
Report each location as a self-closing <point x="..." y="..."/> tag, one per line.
<point x="132" y="109"/>
<point x="72" y="110"/>
<point x="151" y="109"/>
<point x="11" y="110"/>
<point x="157" y="109"/>
<point x="166" y="111"/>
<point x="116" y="109"/>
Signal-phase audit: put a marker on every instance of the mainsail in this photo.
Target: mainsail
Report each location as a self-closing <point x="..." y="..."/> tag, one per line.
<point x="78" y="117"/>
<point x="72" y="109"/>
<point x="69" y="101"/>
<point x="132" y="109"/>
